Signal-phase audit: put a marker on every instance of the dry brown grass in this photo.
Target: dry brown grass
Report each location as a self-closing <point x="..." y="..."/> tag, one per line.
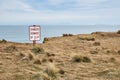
<point x="52" y="71"/>
<point x="11" y="48"/>
<point x="37" y="61"/>
<point x="96" y="43"/>
<point x="87" y="38"/>
<point x="79" y="58"/>
<point x="38" y="50"/>
<point x="73" y="59"/>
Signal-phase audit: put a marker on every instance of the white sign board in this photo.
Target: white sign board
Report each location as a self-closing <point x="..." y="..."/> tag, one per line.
<point x="34" y="33"/>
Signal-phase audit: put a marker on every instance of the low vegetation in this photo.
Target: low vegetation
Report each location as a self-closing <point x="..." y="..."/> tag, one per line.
<point x="119" y="52"/>
<point x="112" y="59"/>
<point x="3" y="41"/>
<point x="38" y="50"/>
<point x="96" y="43"/>
<point x="64" y="35"/>
<point x="52" y="71"/>
<point x="45" y="40"/>
<point x="49" y="54"/>
<point x="94" y="52"/>
<point x="118" y="32"/>
<point x="30" y="56"/>
<point x="37" y="61"/>
<point x="87" y="38"/>
<point x="108" y="51"/>
<point x="11" y="48"/>
<point x="78" y="58"/>
<point x="61" y="71"/>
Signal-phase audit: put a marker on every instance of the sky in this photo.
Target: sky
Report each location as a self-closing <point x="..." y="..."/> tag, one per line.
<point x="60" y="12"/>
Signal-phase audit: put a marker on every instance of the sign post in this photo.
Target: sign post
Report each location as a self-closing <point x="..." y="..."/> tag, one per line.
<point x="34" y="33"/>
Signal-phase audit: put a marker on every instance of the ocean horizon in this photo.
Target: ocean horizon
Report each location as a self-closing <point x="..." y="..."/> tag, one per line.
<point x="20" y="33"/>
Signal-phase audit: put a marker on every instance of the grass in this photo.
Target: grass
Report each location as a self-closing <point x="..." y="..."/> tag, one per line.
<point x="49" y="54"/>
<point x="87" y="38"/>
<point x="30" y="56"/>
<point x="61" y="71"/>
<point x="37" y="50"/>
<point x="22" y="54"/>
<point x="86" y="59"/>
<point x="37" y="61"/>
<point x="78" y="58"/>
<point x="19" y="77"/>
<point x="45" y="76"/>
<point x="112" y="59"/>
<point x="11" y="48"/>
<point x="50" y="60"/>
<point x="36" y="77"/>
<point x="108" y="51"/>
<point x="45" y="40"/>
<point x="110" y="74"/>
<point x="96" y="43"/>
<point x="94" y="52"/>
<point x="119" y="52"/>
<point x="52" y="71"/>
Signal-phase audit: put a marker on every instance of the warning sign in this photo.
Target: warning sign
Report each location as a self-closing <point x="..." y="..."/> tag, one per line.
<point x="34" y="33"/>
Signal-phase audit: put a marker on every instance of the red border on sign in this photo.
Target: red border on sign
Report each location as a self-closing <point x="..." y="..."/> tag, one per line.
<point x="39" y="31"/>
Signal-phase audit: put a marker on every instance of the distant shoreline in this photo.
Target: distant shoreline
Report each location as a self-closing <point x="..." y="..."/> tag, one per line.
<point x="63" y="35"/>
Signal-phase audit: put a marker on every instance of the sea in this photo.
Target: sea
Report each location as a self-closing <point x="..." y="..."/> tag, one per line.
<point x="20" y="33"/>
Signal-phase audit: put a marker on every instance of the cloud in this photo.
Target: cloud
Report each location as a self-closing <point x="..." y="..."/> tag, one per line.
<point x="58" y="12"/>
<point x="14" y="5"/>
<point x="75" y="3"/>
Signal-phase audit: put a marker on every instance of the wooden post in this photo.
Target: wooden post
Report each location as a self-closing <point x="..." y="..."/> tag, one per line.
<point x="34" y="42"/>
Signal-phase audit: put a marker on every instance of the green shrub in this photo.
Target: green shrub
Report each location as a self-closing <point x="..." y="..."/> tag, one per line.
<point x="38" y="50"/>
<point x="96" y="43"/>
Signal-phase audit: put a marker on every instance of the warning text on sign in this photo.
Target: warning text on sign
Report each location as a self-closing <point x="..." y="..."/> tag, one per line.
<point x="34" y="32"/>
